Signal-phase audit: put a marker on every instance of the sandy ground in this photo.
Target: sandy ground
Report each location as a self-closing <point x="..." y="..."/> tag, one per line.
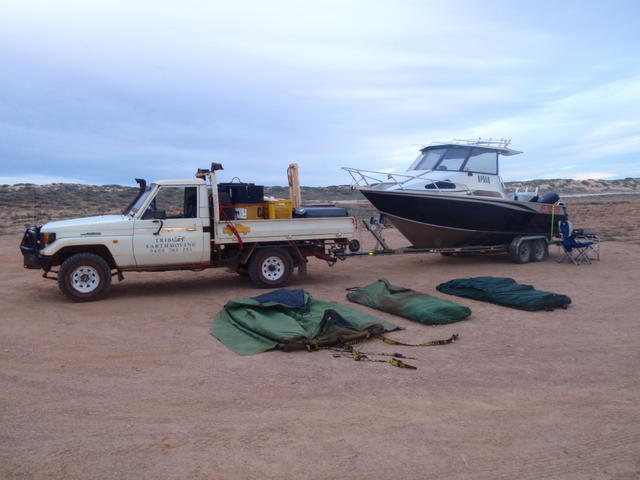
<point x="134" y="387"/>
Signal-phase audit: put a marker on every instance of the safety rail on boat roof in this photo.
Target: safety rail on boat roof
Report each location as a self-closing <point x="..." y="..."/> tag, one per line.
<point x="487" y="142"/>
<point x="363" y="178"/>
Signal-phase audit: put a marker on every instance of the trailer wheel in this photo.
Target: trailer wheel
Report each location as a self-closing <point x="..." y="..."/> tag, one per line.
<point x="84" y="277"/>
<point x="522" y="253"/>
<point x="539" y="250"/>
<point x="271" y="267"/>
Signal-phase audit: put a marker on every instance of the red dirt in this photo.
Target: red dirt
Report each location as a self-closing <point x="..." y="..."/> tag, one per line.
<point x="135" y="387"/>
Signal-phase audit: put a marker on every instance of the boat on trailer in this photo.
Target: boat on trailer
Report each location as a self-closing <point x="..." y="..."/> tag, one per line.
<point x="452" y="196"/>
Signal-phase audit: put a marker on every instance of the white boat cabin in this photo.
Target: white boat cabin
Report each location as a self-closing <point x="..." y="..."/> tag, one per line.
<point x="467" y="167"/>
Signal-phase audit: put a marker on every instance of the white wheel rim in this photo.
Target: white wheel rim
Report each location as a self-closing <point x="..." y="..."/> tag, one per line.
<point x="85" y="279"/>
<point x="273" y="268"/>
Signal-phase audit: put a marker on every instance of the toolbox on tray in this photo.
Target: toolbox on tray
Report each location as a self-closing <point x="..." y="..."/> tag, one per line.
<point x="243" y="193"/>
<point x="241" y="201"/>
<point x="252" y="211"/>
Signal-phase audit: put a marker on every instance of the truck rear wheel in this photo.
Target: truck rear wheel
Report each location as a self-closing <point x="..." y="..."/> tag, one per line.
<point x="84" y="277"/>
<point x="270" y="268"/>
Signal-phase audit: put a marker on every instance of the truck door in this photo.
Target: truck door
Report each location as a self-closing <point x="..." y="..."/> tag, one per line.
<point x="170" y="232"/>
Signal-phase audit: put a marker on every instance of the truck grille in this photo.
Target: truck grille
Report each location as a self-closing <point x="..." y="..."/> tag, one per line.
<point x="31" y="238"/>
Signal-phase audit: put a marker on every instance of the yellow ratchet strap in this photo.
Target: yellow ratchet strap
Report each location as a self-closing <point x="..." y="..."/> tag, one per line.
<point x="447" y="341"/>
<point x="399" y="363"/>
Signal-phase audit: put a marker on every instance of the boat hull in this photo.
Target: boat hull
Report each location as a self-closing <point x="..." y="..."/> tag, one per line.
<point x="440" y="220"/>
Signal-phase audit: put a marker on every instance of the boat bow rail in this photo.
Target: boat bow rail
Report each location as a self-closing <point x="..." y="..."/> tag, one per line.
<point x="371" y="178"/>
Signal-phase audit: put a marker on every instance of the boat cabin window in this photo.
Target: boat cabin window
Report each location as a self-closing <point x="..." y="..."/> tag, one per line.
<point x="453" y="159"/>
<point x="456" y="159"/>
<point x="482" y="161"/>
<point x="428" y="159"/>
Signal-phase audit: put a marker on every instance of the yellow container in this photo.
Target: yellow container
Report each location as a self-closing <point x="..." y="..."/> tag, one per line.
<point x="278" y="208"/>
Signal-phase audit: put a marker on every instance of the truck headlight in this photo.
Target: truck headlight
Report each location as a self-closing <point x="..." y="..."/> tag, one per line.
<point x="47" y="238"/>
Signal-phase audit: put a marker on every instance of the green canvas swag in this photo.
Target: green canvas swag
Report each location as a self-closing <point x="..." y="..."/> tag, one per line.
<point x="254" y="325"/>
<point x="408" y="303"/>
<point x="506" y="292"/>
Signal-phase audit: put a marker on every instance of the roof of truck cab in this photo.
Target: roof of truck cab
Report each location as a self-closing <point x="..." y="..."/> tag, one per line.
<point x="181" y="181"/>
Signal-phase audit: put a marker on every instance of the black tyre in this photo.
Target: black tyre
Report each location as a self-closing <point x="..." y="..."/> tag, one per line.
<point x="84" y="277"/>
<point x="242" y="269"/>
<point x="446" y="254"/>
<point x="354" y="245"/>
<point x="539" y="250"/>
<point x="270" y="268"/>
<point x="522" y="253"/>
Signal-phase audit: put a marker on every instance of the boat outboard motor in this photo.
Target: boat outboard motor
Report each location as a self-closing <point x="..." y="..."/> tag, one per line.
<point x="549" y="197"/>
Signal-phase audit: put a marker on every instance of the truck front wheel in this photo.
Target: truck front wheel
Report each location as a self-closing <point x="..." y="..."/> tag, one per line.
<point x="84" y="277"/>
<point x="270" y="268"/>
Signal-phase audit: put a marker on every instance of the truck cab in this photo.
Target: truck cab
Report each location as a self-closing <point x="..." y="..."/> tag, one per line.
<point x="171" y="224"/>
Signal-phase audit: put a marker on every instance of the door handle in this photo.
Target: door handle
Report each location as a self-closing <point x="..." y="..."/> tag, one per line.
<point x="191" y="229"/>
<point x="159" y="228"/>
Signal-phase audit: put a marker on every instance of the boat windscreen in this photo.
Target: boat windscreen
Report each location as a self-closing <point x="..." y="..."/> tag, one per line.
<point x="427" y="159"/>
<point x="453" y="159"/>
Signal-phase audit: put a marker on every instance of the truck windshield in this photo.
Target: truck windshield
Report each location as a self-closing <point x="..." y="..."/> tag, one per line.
<point x="136" y="206"/>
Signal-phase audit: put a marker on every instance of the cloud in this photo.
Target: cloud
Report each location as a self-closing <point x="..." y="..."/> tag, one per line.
<point x="103" y="91"/>
<point x="578" y="131"/>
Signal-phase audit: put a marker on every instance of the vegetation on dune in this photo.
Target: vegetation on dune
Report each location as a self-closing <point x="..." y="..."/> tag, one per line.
<point x="575" y="187"/>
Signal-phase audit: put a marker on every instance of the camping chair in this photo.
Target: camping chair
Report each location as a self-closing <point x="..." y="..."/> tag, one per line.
<point x="574" y="250"/>
<point x="594" y="248"/>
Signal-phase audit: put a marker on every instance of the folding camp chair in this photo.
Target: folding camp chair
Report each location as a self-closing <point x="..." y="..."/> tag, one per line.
<point x="576" y="245"/>
<point x="584" y="236"/>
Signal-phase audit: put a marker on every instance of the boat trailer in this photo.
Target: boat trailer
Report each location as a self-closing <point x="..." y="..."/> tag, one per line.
<point x="522" y="249"/>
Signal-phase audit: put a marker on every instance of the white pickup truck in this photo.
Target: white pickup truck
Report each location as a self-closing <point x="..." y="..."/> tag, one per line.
<point x="179" y="225"/>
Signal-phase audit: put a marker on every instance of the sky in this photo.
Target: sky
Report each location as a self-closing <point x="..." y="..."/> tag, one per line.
<point x="101" y="92"/>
